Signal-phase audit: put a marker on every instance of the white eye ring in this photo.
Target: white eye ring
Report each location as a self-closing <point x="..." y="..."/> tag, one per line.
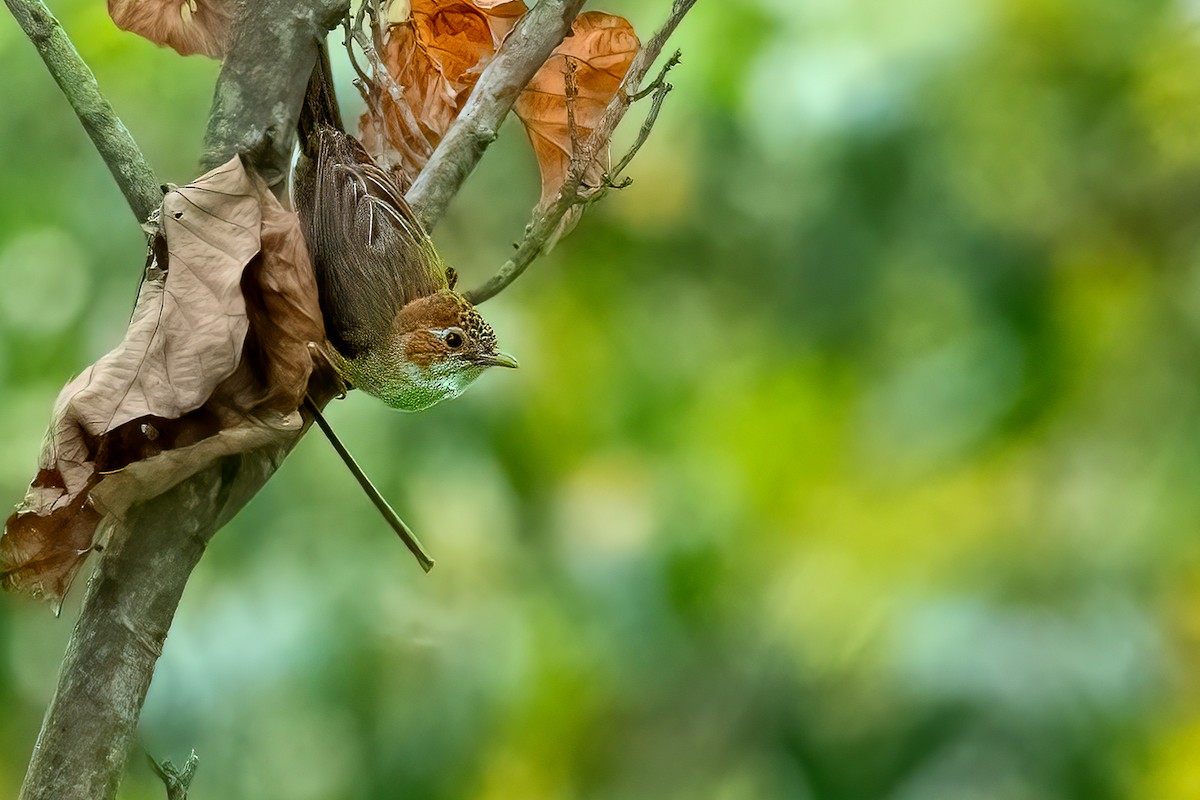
<point x="454" y="338"/>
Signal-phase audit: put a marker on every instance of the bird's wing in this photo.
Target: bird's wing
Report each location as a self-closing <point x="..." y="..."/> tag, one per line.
<point x="369" y="251"/>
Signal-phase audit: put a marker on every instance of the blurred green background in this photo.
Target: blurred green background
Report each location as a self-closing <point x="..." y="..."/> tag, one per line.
<point x="855" y="452"/>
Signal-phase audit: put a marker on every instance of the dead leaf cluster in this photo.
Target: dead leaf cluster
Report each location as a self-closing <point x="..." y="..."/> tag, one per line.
<point x="435" y="50"/>
<point x="215" y="361"/>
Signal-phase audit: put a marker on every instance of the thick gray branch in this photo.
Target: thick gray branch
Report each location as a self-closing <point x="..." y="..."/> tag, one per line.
<point x="130" y="603"/>
<point x="112" y="139"/>
<point x="271" y="55"/>
<point x="523" y="52"/>
<point x="131" y="599"/>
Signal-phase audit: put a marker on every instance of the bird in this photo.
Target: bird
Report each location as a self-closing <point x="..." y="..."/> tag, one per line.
<point x="398" y="329"/>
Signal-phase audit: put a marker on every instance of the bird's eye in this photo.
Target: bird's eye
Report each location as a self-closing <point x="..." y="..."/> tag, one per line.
<point x="454" y="340"/>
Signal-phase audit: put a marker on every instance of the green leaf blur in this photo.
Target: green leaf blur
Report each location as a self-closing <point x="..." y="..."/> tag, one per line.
<point x="854" y="452"/>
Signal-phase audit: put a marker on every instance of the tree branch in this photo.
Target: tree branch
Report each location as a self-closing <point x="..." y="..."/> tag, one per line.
<point x="131" y="598"/>
<point x="262" y="83"/>
<point x="524" y="51"/>
<point x="110" y="136"/>
<point x="127" y="611"/>
<point x="546" y="219"/>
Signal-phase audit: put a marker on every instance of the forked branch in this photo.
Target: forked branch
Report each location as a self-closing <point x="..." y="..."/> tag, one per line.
<point x="380" y="90"/>
<point x="574" y="192"/>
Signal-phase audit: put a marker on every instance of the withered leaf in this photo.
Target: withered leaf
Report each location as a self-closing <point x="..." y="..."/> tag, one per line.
<point x="215" y="361"/>
<point x="186" y="26"/>
<point x="280" y="291"/>
<point x="435" y="52"/>
<point x="601" y="47"/>
<point x="41" y="553"/>
<point x="187" y="330"/>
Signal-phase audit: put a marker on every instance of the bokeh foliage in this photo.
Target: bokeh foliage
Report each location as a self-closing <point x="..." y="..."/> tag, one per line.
<point x="854" y="454"/>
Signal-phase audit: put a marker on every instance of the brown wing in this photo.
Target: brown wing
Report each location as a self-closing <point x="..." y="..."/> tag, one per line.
<point x="368" y="249"/>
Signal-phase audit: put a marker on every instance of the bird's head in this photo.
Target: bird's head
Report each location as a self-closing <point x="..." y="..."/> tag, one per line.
<point x="444" y="345"/>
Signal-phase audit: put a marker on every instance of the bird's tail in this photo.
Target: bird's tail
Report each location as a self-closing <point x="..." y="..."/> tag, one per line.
<point x="320" y="104"/>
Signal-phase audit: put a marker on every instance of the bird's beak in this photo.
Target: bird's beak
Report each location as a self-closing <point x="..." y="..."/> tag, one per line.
<point x="499" y="359"/>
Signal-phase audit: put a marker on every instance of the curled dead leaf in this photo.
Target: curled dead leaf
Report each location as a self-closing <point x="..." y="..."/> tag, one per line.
<point x="42" y="553"/>
<point x="186" y="26"/>
<point x="215" y="362"/>
<point x="601" y="47"/>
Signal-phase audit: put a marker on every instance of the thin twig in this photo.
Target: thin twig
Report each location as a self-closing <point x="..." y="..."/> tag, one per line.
<point x="402" y="530"/>
<point x="655" y="84"/>
<point x="363" y="82"/>
<point x="545" y="221"/>
<point x="571" y="94"/>
<point x="110" y="136"/>
<point x="382" y="85"/>
<point x="660" y="94"/>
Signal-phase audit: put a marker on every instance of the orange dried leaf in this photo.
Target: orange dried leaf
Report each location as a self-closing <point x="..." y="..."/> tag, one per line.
<point x="435" y="53"/>
<point x="186" y="26"/>
<point x="601" y="47"/>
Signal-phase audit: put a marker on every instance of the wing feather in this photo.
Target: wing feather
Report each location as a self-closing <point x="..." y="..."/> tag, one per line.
<point x="370" y="254"/>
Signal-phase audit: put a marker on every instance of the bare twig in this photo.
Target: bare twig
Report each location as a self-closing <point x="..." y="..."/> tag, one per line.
<point x="545" y="221"/>
<point x="613" y="178"/>
<point x="386" y="82"/>
<point x="380" y="90"/>
<point x="524" y="50"/>
<point x="177" y="780"/>
<point x="571" y="94"/>
<point x="655" y="84"/>
<point x="110" y="136"/>
<point x="659" y="88"/>
<point x="363" y="82"/>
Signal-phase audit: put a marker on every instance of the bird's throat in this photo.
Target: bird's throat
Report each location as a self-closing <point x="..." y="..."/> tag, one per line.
<point x="404" y="385"/>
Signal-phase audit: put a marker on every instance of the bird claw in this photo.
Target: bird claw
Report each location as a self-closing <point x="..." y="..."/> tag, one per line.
<point x="317" y="352"/>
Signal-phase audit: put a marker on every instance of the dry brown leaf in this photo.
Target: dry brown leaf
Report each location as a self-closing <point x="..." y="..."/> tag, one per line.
<point x="435" y="53"/>
<point x="601" y="47"/>
<point x="280" y="291"/>
<point x="215" y="362"/>
<point x="141" y="480"/>
<point x="186" y="26"/>
<point x="41" y="553"/>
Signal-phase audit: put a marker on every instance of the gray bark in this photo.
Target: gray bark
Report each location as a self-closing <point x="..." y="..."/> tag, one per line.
<point x="130" y="602"/>
<point x="131" y="599"/>
<point x="262" y="82"/>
